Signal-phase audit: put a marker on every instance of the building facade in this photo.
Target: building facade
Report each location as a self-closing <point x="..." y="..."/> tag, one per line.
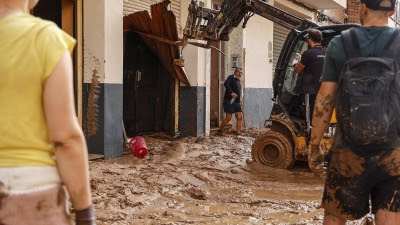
<point x="122" y="83"/>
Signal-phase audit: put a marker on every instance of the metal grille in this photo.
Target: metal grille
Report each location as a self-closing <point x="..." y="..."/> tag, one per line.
<point x="131" y="6"/>
<point x="280" y="34"/>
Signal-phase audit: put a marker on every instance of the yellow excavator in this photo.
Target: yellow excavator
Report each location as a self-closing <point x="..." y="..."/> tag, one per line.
<point x="287" y="139"/>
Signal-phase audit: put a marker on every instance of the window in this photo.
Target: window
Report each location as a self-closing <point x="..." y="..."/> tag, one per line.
<point x="291" y="76"/>
<point x="235" y="61"/>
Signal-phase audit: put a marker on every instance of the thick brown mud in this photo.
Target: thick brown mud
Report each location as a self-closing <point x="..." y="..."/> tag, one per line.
<point x="204" y="180"/>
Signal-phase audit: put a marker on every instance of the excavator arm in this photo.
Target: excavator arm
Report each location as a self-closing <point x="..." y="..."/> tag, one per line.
<point x="214" y="25"/>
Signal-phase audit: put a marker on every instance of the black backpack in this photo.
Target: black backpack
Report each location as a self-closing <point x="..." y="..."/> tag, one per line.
<point x="367" y="97"/>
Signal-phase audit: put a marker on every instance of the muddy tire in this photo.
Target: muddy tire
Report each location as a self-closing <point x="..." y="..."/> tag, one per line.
<point x="273" y="149"/>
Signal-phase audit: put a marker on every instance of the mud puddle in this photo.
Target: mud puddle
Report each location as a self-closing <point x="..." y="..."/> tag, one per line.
<point x="205" y="180"/>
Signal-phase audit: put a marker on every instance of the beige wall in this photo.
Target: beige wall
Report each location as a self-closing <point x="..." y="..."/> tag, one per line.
<point x="294" y="9"/>
<point x="184" y="14"/>
<point x="257" y="35"/>
<point x="343" y="3"/>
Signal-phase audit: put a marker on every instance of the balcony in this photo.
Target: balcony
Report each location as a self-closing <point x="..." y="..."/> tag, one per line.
<point x="325" y="4"/>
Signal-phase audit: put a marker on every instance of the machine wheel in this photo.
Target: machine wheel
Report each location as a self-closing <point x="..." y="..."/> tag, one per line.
<point x="273" y="149"/>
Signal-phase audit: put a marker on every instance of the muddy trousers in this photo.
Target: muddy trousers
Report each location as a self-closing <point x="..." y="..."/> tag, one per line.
<point x="32" y="195"/>
<point x="45" y="207"/>
<point x="355" y="179"/>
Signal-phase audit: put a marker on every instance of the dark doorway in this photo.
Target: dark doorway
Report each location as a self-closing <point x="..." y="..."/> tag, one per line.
<point x="148" y="90"/>
<point x="63" y="13"/>
<point x="49" y="10"/>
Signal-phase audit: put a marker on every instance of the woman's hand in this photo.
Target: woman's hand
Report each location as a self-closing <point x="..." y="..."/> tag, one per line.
<point x="85" y="216"/>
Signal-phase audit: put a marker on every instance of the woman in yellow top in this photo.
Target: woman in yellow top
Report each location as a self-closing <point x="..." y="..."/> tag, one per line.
<point x="42" y="147"/>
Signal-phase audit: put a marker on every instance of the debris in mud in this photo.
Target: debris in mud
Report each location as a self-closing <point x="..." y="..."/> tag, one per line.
<point x="199" y="194"/>
<point x="208" y="180"/>
<point x="199" y="140"/>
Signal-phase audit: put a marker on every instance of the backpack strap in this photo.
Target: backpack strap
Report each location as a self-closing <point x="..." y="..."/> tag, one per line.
<point x="392" y="47"/>
<point x="350" y="43"/>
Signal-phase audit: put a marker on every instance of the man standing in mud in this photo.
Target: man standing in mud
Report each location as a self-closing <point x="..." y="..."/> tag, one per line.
<point x="233" y="90"/>
<point x="359" y="173"/>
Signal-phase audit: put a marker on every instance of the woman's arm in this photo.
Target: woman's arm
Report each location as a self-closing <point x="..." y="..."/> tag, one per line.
<point x="65" y="133"/>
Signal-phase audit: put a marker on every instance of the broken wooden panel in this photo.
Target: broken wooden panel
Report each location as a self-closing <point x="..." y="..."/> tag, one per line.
<point x="162" y="23"/>
<point x="148" y="90"/>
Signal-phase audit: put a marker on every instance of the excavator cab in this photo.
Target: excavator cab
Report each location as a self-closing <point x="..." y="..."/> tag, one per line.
<point x="288" y="137"/>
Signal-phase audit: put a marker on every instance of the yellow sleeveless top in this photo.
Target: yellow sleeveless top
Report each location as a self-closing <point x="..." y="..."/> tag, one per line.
<point x="30" y="48"/>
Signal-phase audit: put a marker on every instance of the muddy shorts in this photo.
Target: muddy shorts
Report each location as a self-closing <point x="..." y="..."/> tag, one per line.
<point x="232" y="108"/>
<point x="353" y="180"/>
<point x="45" y="207"/>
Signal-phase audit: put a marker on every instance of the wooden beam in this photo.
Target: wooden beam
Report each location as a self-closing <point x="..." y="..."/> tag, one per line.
<point x="67" y="20"/>
<point x="176" y="115"/>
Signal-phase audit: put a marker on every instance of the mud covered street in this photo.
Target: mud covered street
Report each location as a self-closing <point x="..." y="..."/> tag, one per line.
<point x="204" y="180"/>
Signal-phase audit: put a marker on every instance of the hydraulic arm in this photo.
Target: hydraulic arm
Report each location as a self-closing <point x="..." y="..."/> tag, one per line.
<point x="214" y="25"/>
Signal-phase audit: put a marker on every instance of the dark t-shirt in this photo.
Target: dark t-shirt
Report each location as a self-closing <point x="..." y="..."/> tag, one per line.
<point x="232" y="84"/>
<point x="371" y="40"/>
<point x="313" y="60"/>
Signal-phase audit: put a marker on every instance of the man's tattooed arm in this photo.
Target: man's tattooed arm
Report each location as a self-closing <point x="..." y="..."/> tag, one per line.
<point x="323" y="109"/>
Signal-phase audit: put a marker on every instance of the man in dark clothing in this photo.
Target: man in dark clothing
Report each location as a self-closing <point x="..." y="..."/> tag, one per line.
<point x="233" y="90"/>
<point x="357" y="177"/>
<point x="310" y="68"/>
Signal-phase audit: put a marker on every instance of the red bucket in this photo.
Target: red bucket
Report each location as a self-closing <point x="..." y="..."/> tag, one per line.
<point x="138" y="146"/>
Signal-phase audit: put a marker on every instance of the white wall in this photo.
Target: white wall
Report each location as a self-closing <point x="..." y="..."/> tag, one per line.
<point x="94" y="39"/>
<point x="103" y="40"/>
<point x="196" y="60"/>
<point x="114" y="41"/>
<point x="257" y="35"/>
<point x="233" y="47"/>
<point x="197" y="63"/>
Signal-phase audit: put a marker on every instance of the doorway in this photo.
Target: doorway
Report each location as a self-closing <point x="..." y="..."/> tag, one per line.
<point x="49" y="10"/>
<point x="148" y="90"/>
<point x="214" y="86"/>
<point x="67" y="14"/>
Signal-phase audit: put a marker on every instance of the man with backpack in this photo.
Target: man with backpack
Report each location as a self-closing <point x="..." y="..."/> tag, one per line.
<point x="361" y="79"/>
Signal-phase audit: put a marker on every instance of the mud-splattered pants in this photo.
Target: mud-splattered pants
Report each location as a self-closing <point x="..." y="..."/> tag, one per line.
<point x="354" y="180"/>
<point x="32" y="195"/>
